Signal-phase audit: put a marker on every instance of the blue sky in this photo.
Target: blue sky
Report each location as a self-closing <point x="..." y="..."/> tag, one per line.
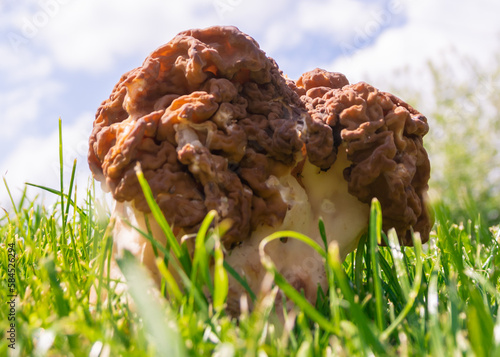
<point x="61" y="58"/>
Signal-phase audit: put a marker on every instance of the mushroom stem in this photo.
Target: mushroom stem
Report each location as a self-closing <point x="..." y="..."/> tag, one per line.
<point x="324" y="195"/>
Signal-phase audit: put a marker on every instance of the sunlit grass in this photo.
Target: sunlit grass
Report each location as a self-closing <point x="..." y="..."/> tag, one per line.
<point x="439" y="299"/>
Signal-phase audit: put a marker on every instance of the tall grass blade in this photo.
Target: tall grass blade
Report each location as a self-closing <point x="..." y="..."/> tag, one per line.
<point x="361" y="320"/>
<point x="173" y="289"/>
<point x="399" y="262"/>
<point x="322" y="233"/>
<point x="221" y="282"/>
<point x="58" y="193"/>
<point x="10" y="196"/>
<point x="61" y="181"/>
<point x="375" y="240"/>
<point x="417" y="281"/>
<point x="479" y="325"/>
<point x="104" y="257"/>
<point x="436" y="335"/>
<point x="70" y="191"/>
<point x="201" y="256"/>
<point x="184" y="258"/>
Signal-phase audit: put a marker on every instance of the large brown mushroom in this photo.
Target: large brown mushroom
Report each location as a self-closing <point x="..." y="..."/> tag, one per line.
<point x="215" y="125"/>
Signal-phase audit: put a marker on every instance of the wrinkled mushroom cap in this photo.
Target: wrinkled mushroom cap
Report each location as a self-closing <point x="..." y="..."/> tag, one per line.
<point x="213" y="123"/>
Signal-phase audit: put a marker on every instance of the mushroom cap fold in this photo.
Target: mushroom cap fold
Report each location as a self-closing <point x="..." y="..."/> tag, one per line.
<point x="210" y="119"/>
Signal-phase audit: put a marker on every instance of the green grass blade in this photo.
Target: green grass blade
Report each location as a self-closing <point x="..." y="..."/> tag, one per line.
<point x="172" y="286"/>
<point x="71" y="185"/>
<point x="375" y="240"/>
<point x="10" y="196"/>
<point x="305" y="306"/>
<point x="184" y="259"/>
<point x="200" y="257"/>
<point x="322" y="233"/>
<point x="74" y="249"/>
<point x="436" y="333"/>
<point x="479" y="325"/>
<point x="240" y="280"/>
<point x="413" y="292"/>
<point x="61" y="181"/>
<point x="105" y="255"/>
<point x="361" y="320"/>
<point x="399" y="262"/>
<point x="58" y="193"/>
<point x="485" y="284"/>
<point x="188" y="284"/>
<point x="221" y="282"/>
<point x="335" y="300"/>
<point x="295" y="235"/>
<point x="358" y="267"/>
<point x="60" y="303"/>
<point x="288" y="289"/>
<point x="22" y="199"/>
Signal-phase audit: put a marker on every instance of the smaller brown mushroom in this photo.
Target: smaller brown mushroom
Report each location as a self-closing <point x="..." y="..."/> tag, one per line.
<point x="383" y="139"/>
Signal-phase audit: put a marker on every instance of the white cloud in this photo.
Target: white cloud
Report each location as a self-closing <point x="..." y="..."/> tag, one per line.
<point x="27" y="86"/>
<point x="440" y="31"/>
<point x="24" y="66"/>
<point x="302" y="35"/>
<point x="92" y="34"/>
<point x="336" y="18"/>
<point x="36" y="160"/>
<point x="21" y="107"/>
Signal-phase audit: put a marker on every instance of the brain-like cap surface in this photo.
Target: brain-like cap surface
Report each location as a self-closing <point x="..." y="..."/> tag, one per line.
<point x="209" y="118"/>
<point x="383" y="139"/>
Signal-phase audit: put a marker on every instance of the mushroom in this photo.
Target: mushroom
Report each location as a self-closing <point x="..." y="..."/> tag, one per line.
<point x="215" y="125"/>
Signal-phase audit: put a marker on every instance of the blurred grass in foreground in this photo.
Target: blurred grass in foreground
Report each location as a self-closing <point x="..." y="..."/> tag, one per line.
<point x="441" y="299"/>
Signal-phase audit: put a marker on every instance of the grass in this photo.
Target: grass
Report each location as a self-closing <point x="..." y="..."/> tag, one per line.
<point x="438" y="299"/>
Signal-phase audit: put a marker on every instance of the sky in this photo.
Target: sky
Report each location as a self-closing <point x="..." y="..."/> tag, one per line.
<point x="61" y="58"/>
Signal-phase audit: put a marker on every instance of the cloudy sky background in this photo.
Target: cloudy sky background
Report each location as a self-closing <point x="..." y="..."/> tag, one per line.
<point x="61" y="58"/>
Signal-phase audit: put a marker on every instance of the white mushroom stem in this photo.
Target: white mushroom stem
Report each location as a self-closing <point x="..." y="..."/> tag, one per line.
<point x="324" y="195"/>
